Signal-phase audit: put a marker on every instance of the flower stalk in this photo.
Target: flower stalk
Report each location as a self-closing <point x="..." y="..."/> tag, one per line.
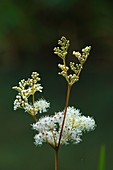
<point x="57" y="148"/>
<point x="33" y="101"/>
<point x="67" y="101"/>
<point x="56" y="159"/>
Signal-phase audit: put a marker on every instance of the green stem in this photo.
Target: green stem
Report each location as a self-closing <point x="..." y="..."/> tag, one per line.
<point x="67" y="101"/>
<point x="56" y="159"/>
<point x="35" y="119"/>
<point x="33" y="101"/>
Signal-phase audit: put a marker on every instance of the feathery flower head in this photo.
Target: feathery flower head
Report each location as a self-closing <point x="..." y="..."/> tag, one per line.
<point x="49" y="128"/>
<point x="26" y="89"/>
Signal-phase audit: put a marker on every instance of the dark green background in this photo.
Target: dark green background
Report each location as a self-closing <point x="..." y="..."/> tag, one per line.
<point x="29" y="30"/>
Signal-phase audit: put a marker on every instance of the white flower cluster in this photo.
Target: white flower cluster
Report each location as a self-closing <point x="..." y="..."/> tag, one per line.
<point x="49" y="128"/>
<point x="26" y="89"/>
<point x="40" y="106"/>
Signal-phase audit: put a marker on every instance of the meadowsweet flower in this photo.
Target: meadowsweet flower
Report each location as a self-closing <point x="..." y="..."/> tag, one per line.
<point x="42" y="104"/>
<point x="26" y="89"/>
<point x="49" y="127"/>
<point x="65" y="126"/>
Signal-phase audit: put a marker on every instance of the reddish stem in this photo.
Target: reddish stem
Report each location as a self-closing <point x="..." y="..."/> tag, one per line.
<point x="56" y="159"/>
<point x="67" y="101"/>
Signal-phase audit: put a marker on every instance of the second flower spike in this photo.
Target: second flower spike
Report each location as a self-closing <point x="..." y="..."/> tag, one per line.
<point x="26" y="89"/>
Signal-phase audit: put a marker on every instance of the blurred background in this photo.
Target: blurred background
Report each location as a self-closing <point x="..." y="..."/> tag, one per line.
<point x="29" y="30"/>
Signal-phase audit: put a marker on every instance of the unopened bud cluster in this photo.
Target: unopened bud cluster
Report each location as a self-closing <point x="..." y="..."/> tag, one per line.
<point x="76" y="68"/>
<point x="64" y="43"/>
<point x="26" y="89"/>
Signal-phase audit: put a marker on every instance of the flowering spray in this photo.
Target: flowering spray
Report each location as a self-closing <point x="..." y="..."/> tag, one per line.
<point x="63" y="127"/>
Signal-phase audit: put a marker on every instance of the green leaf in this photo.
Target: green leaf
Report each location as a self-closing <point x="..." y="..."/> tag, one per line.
<point x="102" y="158"/>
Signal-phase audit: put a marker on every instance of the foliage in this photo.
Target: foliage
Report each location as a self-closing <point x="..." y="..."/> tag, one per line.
<point x="102" y="158"/>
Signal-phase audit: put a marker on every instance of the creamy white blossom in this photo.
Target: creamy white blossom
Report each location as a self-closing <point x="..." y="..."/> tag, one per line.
<point x="42" y="104"/>
<point x="49" y="127"/>
<point x="26" y="89"/>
